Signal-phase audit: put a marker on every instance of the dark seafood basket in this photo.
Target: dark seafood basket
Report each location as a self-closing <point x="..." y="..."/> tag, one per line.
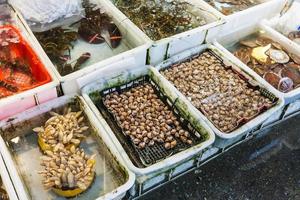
<point x="149" y="155"/>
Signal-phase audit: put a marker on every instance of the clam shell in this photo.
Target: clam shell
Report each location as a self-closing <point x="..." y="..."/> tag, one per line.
<point x="285" y="85"/>
<point x="249" y="43"/>
<point x="279" y="56"/>
<point x="272" y="78"/>
<point x="291" y="73"/>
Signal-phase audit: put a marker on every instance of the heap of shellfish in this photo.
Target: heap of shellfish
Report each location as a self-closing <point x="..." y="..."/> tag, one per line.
<point x="271" y="61"/>
<point x="221" y="94"/>
<point x="161" y="19"/>
<point x="145" y="118"/>
<point x="67" y="169"/>
<point x="61" y="130"/>
<point x="66" y="166"/>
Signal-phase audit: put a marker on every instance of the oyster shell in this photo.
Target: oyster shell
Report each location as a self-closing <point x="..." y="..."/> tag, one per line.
<point x="259" y="53"/>
<point x="279" y="56"/>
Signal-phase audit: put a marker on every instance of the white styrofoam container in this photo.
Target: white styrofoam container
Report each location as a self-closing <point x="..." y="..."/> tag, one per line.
<point x="8" y="185"/>
<point x="232" y="38"/>
<point x="19" y="102"/>
<point x="248" y="17"/>
<point x="121" y="78"/>
<point x="164" y="48"/>
<point x="252" y="124"/>
<point x="138" y="51"/>
<point x="117" y="193"/>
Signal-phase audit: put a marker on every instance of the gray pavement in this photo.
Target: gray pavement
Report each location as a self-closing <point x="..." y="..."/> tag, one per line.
<point x="265" y="168"/>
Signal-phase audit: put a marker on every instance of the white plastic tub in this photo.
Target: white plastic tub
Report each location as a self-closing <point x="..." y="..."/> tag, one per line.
<point x="132" y="45"/>
<point x="252" y="124"/>
<point x="21" y="154"/>
<point x="164" y="48"/>
<point x="230" y="39"/>
<point x="248" y="17"/>
<point x="286" y="22"/>
<point x="19" y="102"/>
<point x="91" y="95"/>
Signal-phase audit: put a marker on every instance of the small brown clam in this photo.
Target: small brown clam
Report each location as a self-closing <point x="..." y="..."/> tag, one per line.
<point x="272" y="78"/>
<point x="286" y="84"/>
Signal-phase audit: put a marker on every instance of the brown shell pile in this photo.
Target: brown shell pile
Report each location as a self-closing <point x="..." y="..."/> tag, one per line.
<point x="67" y="169"/>
<point x="144" y="117"/>
<point x="225" y="98"/>
<point x="280" y="68"/>
<point x="63" y="129"/>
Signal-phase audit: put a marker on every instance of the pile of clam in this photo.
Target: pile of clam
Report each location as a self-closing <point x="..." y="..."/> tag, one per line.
<point x="225" y="98"/>
<point x="163" y="18"/>
<point x="271" y="61"/>
<point x="66" y="167"/>
<point x="62" y="130"/>
<point x="144" y="117"/>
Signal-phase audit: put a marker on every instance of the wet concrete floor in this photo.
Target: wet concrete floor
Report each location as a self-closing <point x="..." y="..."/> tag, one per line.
<point x="265" y="168"/>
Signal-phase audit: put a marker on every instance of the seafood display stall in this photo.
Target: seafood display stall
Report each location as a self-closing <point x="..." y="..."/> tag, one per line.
<point x="80" y="159"/>
<point x="108" y="99"/>
<point x="24" y="78"/>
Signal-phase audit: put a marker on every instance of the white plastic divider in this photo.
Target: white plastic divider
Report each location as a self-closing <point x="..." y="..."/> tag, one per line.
<point x="117" y="193"/>
<point x="288" y="20"/>
<point x="248" y="17"/>
<point x="122" y="77"/>
<point x="8" y="185"/>
<point x="164" y="48"/>
<point x="19" y="102"/>
<point x="232" y="38"/>
<point x="138" y="51"/>
<point x="249" y="126"/>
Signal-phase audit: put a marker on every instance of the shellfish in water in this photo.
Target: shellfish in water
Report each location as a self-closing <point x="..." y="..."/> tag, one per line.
<point x="279" y="56"/>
